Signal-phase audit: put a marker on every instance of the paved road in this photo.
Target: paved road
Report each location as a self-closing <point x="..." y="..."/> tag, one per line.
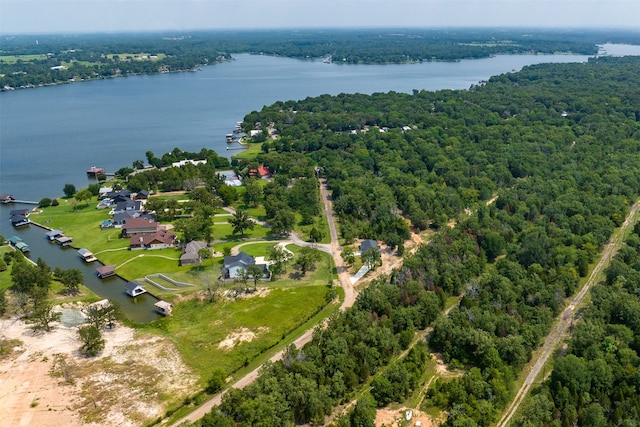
<point x="562" y="325"/>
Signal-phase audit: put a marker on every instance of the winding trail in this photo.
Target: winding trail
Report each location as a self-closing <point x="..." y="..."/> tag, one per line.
<point x="560" y="328"/>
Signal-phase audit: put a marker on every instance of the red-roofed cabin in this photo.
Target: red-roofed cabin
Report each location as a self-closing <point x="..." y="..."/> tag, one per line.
<point x="261" y="172"/>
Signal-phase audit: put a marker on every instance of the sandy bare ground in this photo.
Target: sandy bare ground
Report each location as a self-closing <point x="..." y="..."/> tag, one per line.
<point x="45" y="381"/>
<point x="396" y="418"/>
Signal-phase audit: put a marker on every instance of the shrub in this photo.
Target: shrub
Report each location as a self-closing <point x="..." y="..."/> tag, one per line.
<point x="44" y="202"/>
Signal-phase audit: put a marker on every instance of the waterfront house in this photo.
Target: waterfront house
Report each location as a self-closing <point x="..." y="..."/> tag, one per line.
<point x="119" y="196"/>
<point x="86" y="255"/>
<point x="105" y="271"/>
<point x="234" y="264"/>
<point x="160" y="240"/>
<point x="128" y="205"/>
<point x="104" y="191"/>
<point x="163" y="308"/>
<point x="19" y="220"/>
<point x="53" y="234"/>
<point x="139" y="227"/>
<point x="191" y="253"/>
<point x="134" y="289"/>
<point x="121" y="217"/>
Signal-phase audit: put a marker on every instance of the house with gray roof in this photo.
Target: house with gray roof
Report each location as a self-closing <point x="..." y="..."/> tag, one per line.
<point x="191" y="253"/>
<point x="233" y="264"/>
<point x="368" y="244"/>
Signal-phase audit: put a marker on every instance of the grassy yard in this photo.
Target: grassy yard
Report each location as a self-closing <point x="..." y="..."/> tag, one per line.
<point x="5" y="276"/>
<point x="249" y="153"/>
<point x="199" y="328"/>
<point x="12" y="59"/>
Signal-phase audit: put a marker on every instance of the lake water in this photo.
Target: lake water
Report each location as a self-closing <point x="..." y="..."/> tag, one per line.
<point x="50" y="136"/>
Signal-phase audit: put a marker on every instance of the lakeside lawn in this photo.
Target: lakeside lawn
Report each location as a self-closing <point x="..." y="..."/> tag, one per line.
<point x="252" y="150"/>
<point x="5" y="276"/>
<point x="198" y="328"/>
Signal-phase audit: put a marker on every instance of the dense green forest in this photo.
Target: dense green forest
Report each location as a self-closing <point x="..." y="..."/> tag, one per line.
<point x="32" y="60"/>
<point x="596" y="382"/>
<point x="522" y="179"/>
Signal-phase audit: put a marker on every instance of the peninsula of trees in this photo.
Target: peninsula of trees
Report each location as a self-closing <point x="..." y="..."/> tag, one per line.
<point x="34" y="60"/>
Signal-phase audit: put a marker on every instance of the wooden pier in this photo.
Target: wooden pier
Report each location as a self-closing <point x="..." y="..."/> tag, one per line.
<point x="27" y="202"/>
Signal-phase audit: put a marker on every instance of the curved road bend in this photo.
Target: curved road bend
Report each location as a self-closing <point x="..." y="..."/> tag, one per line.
<point x="349" y="299"/>
<point x="559" y="330"/>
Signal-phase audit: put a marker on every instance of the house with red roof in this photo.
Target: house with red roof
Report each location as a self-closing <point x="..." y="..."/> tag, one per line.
<point x="160" y="240"/>
<point x="139" y="226"/>
<point x="262" y="172"/>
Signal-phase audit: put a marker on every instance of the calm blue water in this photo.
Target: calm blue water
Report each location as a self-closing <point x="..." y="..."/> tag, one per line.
<point x="50" y="136"/>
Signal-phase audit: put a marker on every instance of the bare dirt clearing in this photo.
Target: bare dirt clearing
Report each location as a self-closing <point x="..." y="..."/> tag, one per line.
<point x="241" y="335"/>
<point x="395" y="418"/>
<point x="45" y="381"/>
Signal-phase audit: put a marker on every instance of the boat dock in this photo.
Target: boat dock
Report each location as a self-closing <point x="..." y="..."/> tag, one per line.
<point x="7" y="198"/>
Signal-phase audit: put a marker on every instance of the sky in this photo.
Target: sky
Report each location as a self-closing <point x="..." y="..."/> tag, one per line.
<point x="86" y="16"/>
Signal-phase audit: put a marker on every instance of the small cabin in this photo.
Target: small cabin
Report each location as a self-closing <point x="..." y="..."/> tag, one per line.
<point x="134" y="289"/>
<point x="64" y="240"/>
<point x="163" y="308"/>
<point x="105" y="271"/>
<point x="86" y="255"/>
<point x="53" y="234"/>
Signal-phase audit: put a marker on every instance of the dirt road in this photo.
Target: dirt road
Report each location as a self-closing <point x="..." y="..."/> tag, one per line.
<point x="349" y="299"/>
<point x="567" y="316"/>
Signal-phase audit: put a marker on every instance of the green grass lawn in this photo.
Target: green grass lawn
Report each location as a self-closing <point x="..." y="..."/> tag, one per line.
<point x="225" y="232"/>
<point x="197" y="328"/>
<point x="5" y="276"/>
<point x="12" y="59"/>
<point x="249" y="153"/>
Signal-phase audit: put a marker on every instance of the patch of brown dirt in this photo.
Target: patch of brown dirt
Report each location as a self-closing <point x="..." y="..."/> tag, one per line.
<point x="396" y="417"/>
<point x="47" y="382"/>
<point x="241" y="335"/>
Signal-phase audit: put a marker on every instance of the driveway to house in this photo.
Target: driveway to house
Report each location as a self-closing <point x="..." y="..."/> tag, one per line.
<point x="349" y="299"/>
